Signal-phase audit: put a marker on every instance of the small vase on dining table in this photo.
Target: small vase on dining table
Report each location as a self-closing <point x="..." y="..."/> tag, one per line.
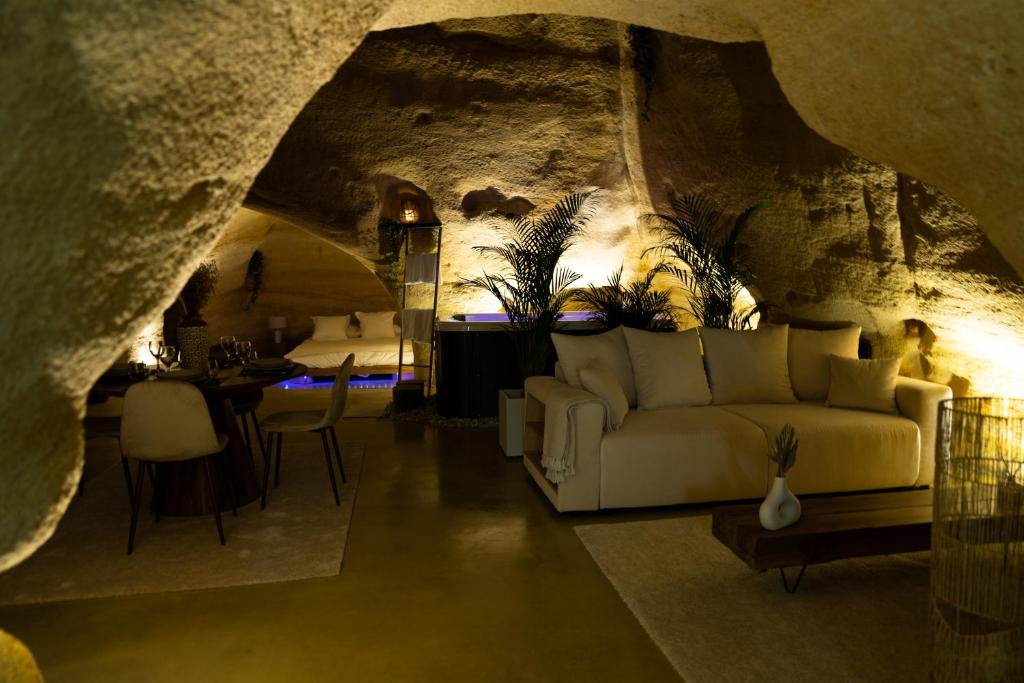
<point x="194" y="342"/>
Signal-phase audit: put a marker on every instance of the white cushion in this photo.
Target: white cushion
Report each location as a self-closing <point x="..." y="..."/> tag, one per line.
<point x="863" y="384"/>
<point x="353" y="332"/>
<point x="377" y="325"/>
<point x="808" y="358"/>
<point x="749" y="366"/>
<point x="597" y="350"/>
<point x="330" y="327"/>
<point x="605" y="384"/>
<point x="667" y="369"/>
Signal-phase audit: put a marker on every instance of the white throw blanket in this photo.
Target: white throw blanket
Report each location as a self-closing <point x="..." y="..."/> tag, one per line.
<point x="559" y="456"/>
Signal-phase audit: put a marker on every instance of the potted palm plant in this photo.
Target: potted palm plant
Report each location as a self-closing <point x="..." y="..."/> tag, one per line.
<point x="706" y="241"/>
<point x="533" y="290"/>
<point x="636" y="304"/>
<point x="193" y="332"/>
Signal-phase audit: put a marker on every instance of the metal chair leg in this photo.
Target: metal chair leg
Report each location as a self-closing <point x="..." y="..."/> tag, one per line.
<point x="158" y="499"/>
<point x="137" y="498"/>
<point x="277" y="467"/>
<point x="228" y="485"/>
<point x="266" y="470"/>
<point x="337" y="455"/>
<point x="330" y="467"/>
<point x="213" y="497"/>
<point x="259" y="433"/>
<point x="126" y="468"/>
<point x="248" y="440"/>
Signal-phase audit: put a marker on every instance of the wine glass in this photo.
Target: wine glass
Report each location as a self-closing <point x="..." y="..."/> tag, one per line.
<point x="227" y="345"/>
<point x="244" y="351"/>
<point x="169" y="355"/>
<point x="156" y="349"/>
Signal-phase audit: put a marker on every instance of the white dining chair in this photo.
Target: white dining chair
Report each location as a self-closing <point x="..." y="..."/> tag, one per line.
<point x="167" y="421"/>
<point x="321" y="422"/>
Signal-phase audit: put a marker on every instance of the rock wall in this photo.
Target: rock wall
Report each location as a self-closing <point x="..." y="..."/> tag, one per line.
<point x="303" y="275"/>
<point x="489" y="114"/>
<point x="134" y="128"/>
<point x="837" y="237"/>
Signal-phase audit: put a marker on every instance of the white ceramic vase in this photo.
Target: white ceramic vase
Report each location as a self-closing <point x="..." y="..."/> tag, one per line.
<point x="780" y="508"/>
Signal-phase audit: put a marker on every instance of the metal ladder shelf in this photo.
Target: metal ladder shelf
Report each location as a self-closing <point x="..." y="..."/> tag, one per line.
<point x="407" y="238"/>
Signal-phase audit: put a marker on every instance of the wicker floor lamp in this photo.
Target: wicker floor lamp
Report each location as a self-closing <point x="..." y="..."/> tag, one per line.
<point x="977" y="570"/>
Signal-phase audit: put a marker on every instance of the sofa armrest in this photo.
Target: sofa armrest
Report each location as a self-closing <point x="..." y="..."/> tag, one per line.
<point x="919" y="401"/>
<point x="574" y="421"/>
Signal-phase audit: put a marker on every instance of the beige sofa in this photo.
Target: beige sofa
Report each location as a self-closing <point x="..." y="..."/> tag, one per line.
<point x="706" y="453"/>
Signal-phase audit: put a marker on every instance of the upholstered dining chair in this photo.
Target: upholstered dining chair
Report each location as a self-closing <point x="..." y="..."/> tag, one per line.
<point x="166" y="421"/>
<point x="321" y="422"/>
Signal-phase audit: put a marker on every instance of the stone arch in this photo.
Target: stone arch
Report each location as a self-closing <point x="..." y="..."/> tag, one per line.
<point x="123" y="145"/>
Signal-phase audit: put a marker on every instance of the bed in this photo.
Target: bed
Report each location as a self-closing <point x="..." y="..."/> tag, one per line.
<point x="378" y="353"/>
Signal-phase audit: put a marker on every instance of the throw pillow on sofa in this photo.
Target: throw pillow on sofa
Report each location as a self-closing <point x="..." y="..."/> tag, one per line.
<point x="863" y="384"/>
<point x="606" y="350"/>
<point x="809" y="352"/>
<point x="605" y="384"/>
<point x="667" y="369"/>
<point x="748" y="367"/>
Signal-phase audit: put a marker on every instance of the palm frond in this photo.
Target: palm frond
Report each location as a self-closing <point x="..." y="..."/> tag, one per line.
<point x="706" y="241"/>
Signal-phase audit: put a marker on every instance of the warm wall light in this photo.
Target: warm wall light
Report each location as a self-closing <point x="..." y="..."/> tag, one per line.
<point x="410" y="213"/>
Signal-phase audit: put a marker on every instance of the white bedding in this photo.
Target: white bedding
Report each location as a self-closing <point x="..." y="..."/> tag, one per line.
<point x="331" y="354"/>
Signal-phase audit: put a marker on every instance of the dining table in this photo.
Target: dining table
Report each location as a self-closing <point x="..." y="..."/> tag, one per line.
<point x="182" y="487"/>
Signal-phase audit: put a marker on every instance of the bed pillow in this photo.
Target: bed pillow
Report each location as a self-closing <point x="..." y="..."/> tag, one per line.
<point x="809" y="352"/>
<point x="605" y="384"/>
<point x="377" y="325"/>
<point x="353" y="332"/>
<point x="667" y="369"/>
<point x="330" y="327"/>
<point x="748" y="367"/>
<point x="606" y="350"/>
<point x="863" y="384"/>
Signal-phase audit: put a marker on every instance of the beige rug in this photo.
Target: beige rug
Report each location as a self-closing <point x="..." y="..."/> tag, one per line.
<point x="301" y="534"/>
<point x="717" y="620"/>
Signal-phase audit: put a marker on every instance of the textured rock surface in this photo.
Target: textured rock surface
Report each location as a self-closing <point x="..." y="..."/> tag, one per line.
<point x="505" y="113"/>
<point x="837" y="237"/>
<point x="16" y="663"/>
<point x="134" y="129"/>
<point x="303" y="275"/>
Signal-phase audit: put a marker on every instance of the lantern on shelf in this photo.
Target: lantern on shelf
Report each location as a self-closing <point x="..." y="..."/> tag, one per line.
<point x="410" y="213"/>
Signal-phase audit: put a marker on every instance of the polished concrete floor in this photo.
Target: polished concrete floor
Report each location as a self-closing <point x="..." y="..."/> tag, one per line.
<point x="457" y="569"/>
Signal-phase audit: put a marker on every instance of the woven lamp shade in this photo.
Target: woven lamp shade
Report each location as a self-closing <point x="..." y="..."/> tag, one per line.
<point x="977" y="567"/>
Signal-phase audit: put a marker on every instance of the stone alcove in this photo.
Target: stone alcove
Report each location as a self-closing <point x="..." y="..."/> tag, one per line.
<point x="148" y="149"/>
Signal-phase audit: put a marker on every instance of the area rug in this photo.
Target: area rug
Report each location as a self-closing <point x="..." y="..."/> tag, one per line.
<point x="301" y="534"/>
<point x="718" y="620"/>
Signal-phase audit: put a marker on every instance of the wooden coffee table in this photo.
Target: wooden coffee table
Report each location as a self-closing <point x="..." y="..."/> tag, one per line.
<point x="830" y="528"/>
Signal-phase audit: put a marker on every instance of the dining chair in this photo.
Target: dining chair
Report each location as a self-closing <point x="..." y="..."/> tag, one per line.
<point x="245" y="407"/>
<point x="321" y="422"/>
<point x="166" y="421"/>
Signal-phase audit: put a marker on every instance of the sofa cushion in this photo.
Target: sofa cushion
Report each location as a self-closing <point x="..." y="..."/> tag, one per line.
<point x="809" y="351"/>
<point x="841" y="450"/>
<point x="604" y="383"/>
<point x="863" y="384"/>
<point x="667" y="369"/>
<point x="749" y="366"/>
<point x="607" y="350"/>
<point x="682" y="455"/>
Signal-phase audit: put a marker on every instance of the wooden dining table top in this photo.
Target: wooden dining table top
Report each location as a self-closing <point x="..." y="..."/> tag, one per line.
<point x="228" y="382"/>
